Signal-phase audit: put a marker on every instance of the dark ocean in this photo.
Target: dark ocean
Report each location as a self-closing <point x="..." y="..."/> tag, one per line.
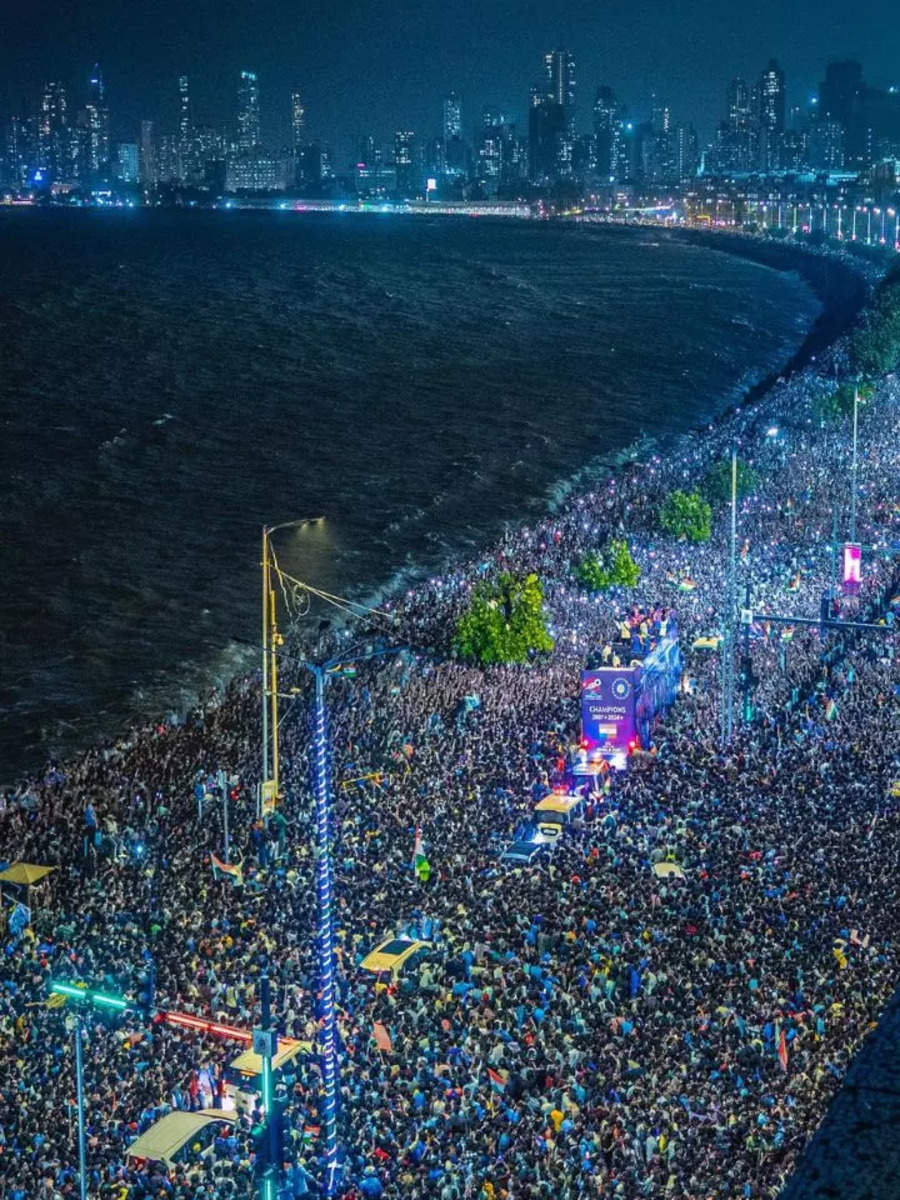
<point x="170" y="381"/>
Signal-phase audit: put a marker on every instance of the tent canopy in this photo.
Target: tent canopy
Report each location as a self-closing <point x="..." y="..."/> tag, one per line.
<point x="165" y="1137"/>
<point x="24" y="873"/>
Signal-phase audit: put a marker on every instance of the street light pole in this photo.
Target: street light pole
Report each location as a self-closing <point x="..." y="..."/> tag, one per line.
<point x="79" y="1083"/>
<point x="324" y="888"/>
<point x="854" y="466"/>
<point x="265" y="666"/>
<point x="223" y="787"/>
<point x="271" y="640"/>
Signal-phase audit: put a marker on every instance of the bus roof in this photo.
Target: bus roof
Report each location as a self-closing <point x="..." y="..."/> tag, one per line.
<point x="248" y="1062"/>
<point x="165" y="1137"/>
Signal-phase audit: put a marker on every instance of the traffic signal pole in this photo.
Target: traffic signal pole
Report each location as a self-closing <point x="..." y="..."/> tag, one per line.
<point x="79" y="1083"/>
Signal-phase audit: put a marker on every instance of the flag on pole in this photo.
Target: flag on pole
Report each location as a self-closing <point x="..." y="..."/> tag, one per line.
<point x="19" y="919"/>
<point x="224" y="870"/>
<point x="420" y="863"/>
<point x="497" y="1078"/>
<point x="783" y="1051"/>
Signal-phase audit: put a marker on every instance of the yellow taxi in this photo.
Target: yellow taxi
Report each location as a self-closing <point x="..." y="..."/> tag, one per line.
<point x="393" y="954"/>
<point x="243" y="1076"/>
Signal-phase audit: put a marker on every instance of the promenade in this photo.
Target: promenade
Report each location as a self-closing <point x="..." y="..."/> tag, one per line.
<point x="581" y="1028"/>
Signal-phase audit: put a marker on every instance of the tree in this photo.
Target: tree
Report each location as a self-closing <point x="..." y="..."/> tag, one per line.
<point x="505" y="622"/>
<point x="717" y="484"/>
<point x="875" y="343"/>
<point x="686" y="515"/>
<point x="614" y="568"/>
<point x="835" y="405"/>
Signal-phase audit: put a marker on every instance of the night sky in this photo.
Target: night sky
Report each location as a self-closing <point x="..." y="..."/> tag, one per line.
<point x="375" y="67"/>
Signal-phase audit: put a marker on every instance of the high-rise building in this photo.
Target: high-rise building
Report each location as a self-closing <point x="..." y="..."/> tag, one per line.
<point x="559" y="80"/>
<point x="738" y="100"/>
<point x="771" y="102"/>
<point x="248" y="112"/>
<point x="184" y="109"/>
<point x="97" y="126"/>
<point x="452" y="117"/>
<point x="736" y="146"/>
<point x="607" y="133"/>
<point x="404" y="161"/>
<point x="298" y="120"/>
<point x="490" y="150"/>
<point x="53" y="134"/>
<point x="127" y="162"/>
<point x="551" y="120"/>
<point x="148" y="159"/>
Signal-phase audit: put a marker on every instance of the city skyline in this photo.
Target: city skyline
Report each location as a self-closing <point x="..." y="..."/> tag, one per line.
<point x="376" y="72"/>
<point x="848" y="126"/>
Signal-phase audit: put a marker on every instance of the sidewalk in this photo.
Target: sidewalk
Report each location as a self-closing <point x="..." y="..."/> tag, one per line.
<point x="855" y="1155"/>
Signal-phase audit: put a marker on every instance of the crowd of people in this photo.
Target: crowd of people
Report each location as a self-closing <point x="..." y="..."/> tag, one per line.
<point x="582" y="1027"/>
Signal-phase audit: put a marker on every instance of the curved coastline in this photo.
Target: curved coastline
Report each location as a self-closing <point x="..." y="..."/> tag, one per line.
<point x="842" y="287"/>
<point x="203" y="741"/>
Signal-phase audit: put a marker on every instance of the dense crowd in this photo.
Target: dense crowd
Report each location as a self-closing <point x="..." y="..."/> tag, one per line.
<point x="581" y="1027"/>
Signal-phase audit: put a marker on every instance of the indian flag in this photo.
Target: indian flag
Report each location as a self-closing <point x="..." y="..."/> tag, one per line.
<point x="686" y="584"/>
<point x="498" y="1079"/>
<point x="794" y="585"/>
<point x="830" y="709"/>
<point x="224" y="870"/>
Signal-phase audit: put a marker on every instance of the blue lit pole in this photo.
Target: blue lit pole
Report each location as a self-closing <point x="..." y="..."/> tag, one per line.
<point x="324" y="899"/>
<point x="79" y="1083"/>
<point x="325" y="929"/>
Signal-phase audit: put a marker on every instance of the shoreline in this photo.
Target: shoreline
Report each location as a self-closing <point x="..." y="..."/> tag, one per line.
<point x="760" y="827"/>
<point x="823" y="272"/>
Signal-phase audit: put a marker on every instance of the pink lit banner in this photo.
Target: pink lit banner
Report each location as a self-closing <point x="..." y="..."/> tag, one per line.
<point x="852" y="568"/>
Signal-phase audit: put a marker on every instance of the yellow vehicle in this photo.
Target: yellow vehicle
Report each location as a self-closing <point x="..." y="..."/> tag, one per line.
<point x="711" y="641"/>
<point x="554" y="813"/>
<point x="173" y="1138"/>
<point x="394" y="954"/>
<point x="243" y="1076"/>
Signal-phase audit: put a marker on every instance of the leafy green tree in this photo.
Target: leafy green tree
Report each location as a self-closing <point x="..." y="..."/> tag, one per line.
<point x="875" y="343"/>
<point x="505" y="622"/>
<point x="686" y="515"/>
<point x="717" y="484"/>
<point x="614" y="568"/>
<point x="838" y="404"/>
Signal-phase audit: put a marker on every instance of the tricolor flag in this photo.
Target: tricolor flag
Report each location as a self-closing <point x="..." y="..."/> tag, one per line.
<point x="830" y="709"/>
<point x="783" y="1051"/>
<point x="497" y="1078"/>
<point x="794" y="585"/>
<point x="686" y="584"/>
<point x="224" y="870"/>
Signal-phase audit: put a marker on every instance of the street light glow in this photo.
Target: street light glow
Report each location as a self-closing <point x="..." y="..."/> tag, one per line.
<point x="82" y="993"/>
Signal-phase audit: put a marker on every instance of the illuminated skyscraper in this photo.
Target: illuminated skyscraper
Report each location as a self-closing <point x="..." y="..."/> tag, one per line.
<point x="148" y="159"/>
<point x="452" y="117"/>
<point x="248" y="112"/>
<point x="771" y="115"/>
<point x="607" y="132"/>
<point x="404" y="161"/>
<point x="53" y="133"/>
<point x="559" y="80"/>
<point x="184" y="109"/>
<point x="97" y="126"/>
<point x="298" y="119"/>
